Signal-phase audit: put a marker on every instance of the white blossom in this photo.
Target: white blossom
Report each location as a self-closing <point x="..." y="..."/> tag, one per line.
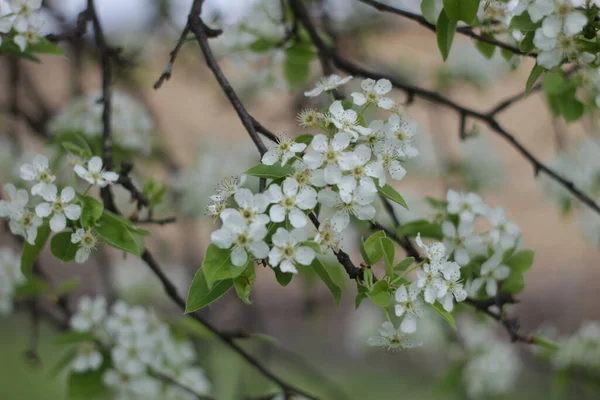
<point x="228" y="187"/>
<point x="391" y="338"/>
<point x="429" y="281"/>
<point x="59" y="207"/>
<point x="327" y="84"/>
<point x="282" y="152"/>
<point x="252" y="206"/>
<point x="466" y="205"/>
<point x="388" y="154"/>
<point x="504" y="233"/>
<point x="374" y="93"/>
<point x="132" y="353"/>
<point x="492" y="271"/>
<point x="290" y="201"/>
<point x="328" y="235"/>
<point x="435" y="253"/>
<point x="88" y="358"/>
<point x="38" y="172"/>
<point x="409" y="306"/>
<point x="346" y="120"/>
<point x="25" y="223"/>
<point x="87" y="242"/>
<point x="580" y="350"/>
<point x="401" y="134"/>
<point x="345" y="204"/>
<point x="90" y="314"/>
<point x="126" y="321"/>
<point x="287" y="252"/>
<point x="95" y="174"/>
<point x="18" y="199"/>
<point x="242" y="236"/>
<point x="450" y="286"/>
<point x="462" y="242"/>
<point x="360" y="171"/>
<point x="329" y="155"/>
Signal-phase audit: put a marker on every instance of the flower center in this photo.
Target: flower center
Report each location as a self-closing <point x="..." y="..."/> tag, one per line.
<point x="359" y="171"/>
<point x="401" y="135"/>
<point x="27" y="219"/>
<point x="372" y="97"/>
<point x="330" y="156"/>
<point x="247" y="214"/>
<point x="289" y="202"/>
<point x="289" y="251"/>
<point x="302" y="177"/>
<point x="58" y="207"/>
<point x="45" y="177"/>
<point x="284" y="147"/>
<point x="88" y="240"/>
<point x="243" y="239"/>
<point x="563" y="10"/>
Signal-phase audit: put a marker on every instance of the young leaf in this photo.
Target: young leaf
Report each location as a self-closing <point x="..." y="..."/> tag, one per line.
<point x="91" y="210"/>
<point x="424" y="227"/>
<point x="371" y="248"/>
<point x="306" y="139"/>
<point x="31" y="252"/>
<point x="389" y="252"/>
<point x="62" y="247"/>
<point x="486" y="49"/>
<point x="322" y="268"/>
<point x="362" y="293"/>
<point x="116" y="232"/>
<point x="444" y="314"/>
<point x="390" y="193"/>
<point x="445" y="29"/>
<point x="200" y="295"/>
<point x="554" y="83"/>
<point x="571" y="108"/>
<point x="533" y="76"/>
<point x="270" y="171"/>
<point x="44" y="46"/>
<point x="243" y="284"/>
<point x="284" y="278"/>
<point x="428" y="10"/>
<point x="521" y="261"/>
<point x="296" y="67"/>
<point x="217" y="265"/>
<point x="73" y="337"/>
<point x="380" y="294"/>
<point x="461" y="10"/>
<point x="402" y="265"/>
<point x="526" y="45"/>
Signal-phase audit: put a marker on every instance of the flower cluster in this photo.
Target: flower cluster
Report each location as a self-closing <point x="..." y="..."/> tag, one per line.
<point x="11" y="278"/>
<point x="492" y="366"/>
<point x="343" y="169"/>
<point x="59" y="209"/>
<point x="135" y="349"/>
<point x="21" y="23"/>
<point x="581" y="350"/>
<point x="131" y="123"/>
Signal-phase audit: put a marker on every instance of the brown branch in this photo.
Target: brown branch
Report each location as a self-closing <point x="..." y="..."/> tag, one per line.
<point x="166" y="74"/>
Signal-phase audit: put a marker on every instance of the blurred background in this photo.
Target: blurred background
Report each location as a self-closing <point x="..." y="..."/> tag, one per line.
<point x="195" y="139"/>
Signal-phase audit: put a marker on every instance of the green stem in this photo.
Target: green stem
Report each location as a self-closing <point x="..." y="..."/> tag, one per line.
<point x="88" y="189"/>
<point x="545" y="342"/>
<point x="411" y="269"/>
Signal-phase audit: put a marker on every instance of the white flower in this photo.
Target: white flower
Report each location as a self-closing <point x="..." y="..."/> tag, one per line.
<point x="361" y="171"/>
<point x="88" y="358"/>
<point x="252" y="206"/>
<point x="401" y="134"/>
<point x="346" y="120"/>
<point x="345" y="204"/>
<point x="24" y="11"/>
<point x="126" y="321"/>
<point x="59" y="207"/>
<point x="428" y="280"/>
<point x="10" y="267"/>
<point x="129" y="386"/>
<point x="373" y="93"/>
<point x="388" y="154"/>
<point x="87" y="243"/>
<point x="32" y="34"/>
<point x="39" y="172"/>
<point x="409" y="306"/>
<point x="194" y="378"/>
<point x="436" y="253"/>
<point x="290" y="201"/>
<point x="391" y="338"/>
<point x="327" y="84"/>
<point x="492" y="271"/>
<point x="227" y="188"/>
<point x="90" y="313"/>
<point x="286" y="251"/>
<point x="132" y="354"/>
<point x="328" y="236"/>
<point x="504" y="233"/>
<point x="463" y="242"/>
<point x="282" y="152"/>
<point x="25" y="223"/>
<point x="450" y="287"/>
<point x="16" y="204"/>
<point x="242" y="236"/>
<point x="94" y="173"/>
<point x="466" y="205"/>
<point x="329" y="155"/>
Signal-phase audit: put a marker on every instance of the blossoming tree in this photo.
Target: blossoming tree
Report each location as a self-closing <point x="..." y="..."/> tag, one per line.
<point x="290" y="212"/>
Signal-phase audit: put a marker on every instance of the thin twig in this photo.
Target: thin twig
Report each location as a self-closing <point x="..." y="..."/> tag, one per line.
<point x="166" y="74"/>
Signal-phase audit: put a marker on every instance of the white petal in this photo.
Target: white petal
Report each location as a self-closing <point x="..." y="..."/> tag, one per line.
<point x="277" y="213"/>
<point x="328" y="197"/>
<point x="222" y="238"/>
<point x="313" y="159"/>
<point x="95" y="164"/>
<point x="48" y="192"/>
<point x="288" y="266"/>
<point x="110" y="176"/>
<point x="40" y="162"/>
<point x="305" y="255"/>
<point x="239" y="257"/>
<point x="365" y="213"/>
<point x="82" y="255"/>
<point x="383" y="86"/>
<point x="275" y="256"/>
<point x="367" y="84"/>
<point x="333" y="174"/>
<point x="314" y="92"/>
<point x="461" y="256"/>
<point x="336" y="109"/>
<point x="574" y="23"/>
<point x="274" y="193"/>
<point x="244" y="197"/>
<point x="28" y="172"/>
<point x="297" y="147"/>
<point x="409" y="324"/>
<point x="81" y="171"/>
<point x="340" y="221"/>
<point x="449" y="229"/>
<point x="340" y="141"/>
<point x="58" y="222"/>
<point x="270" y="157"/>
<point x="396" y="170"/>
<point x="73" y="212"/>
<point x="359" y="98"/>
<point x="319" y="143"/>
<point x="67" y="194"/>
<point x="491" y="287"/>
<point x="306" y="198"/>
<point x="386" y="103"/>
<point x="281" y="237"/>
<point x="297" y="218"/>
<point x="259" y="249"/>
<point x="290" y="187"/>
<point x="43" y="210"/>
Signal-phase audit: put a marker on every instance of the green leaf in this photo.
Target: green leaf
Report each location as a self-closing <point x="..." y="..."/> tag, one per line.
<point x="445" y="29"/>
<point x="67" y="287"/>
<point x="390" y="193"/>
<point x="486" y="49"/>
<point x="428" y="10"/>
<point x="380" y="294"/>
<point x="571" y="108"/>
<point x="313" y="245"/>
<point x="523" y="23"/>
<point x="62" y="247"/>
<point x="296" y="67"/>
<point x="389" y="252"/>
<point x="362" y="293"/>
<point x="31" y="252"/>
<point x="284" y="278"/>
<point x="306" y="139"/>
<point x="87" y="385"/>
<point x="73" y="337"/>
<point x="121" y="233"/>
<point x="155" y="191"/>
<point x="217" y="265"/>
<point x="533" y="76"/>
<point x="402" y="265"/>
<point x="371" y="248"/>
<point x="444" y="314"/>
<point x="200" y="295"/>
<point x="91" y="210"/>
<point x="44" y="46"/>
<point x="262" y="45"/>
<point x="526" y="45"/>
<point x="554" y="83"/>
<point x="515" y="283"/>
<point x="521" y="261"/>
<point x="425" y="228"/>
<point x="323" y="267"/>
<point x="461" y="10"/>
<point x="75" y="143"/>
<point x="33" y="287"/>
<point x="76" y="150"/>
<point x="270" y="171"/>
<point x="243" y="284"/>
